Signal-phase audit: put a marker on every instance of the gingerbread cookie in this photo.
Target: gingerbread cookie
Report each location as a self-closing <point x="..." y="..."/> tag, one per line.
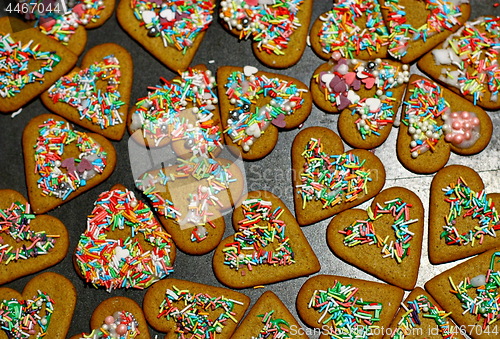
<point x="469" y="291"/>
<point x="171" y="30"/>
<point x="117" y="317"/>
<point x="177" y="306"/>
<point x="467" y="62"/>
<point x="31" y="63"/>
<point x="355" y="28"/>
<point x="433" y="113"/>
<point x="327" y="180"/>
<point x="268" y="245"/>
<point x="111" y="255"/>
<point x="255" y="105"/>
<point x="189" y="198"/>
<point x="269" y="318"/>
<point x="183" y="111"/>
<point x="463" y="220"/>
<point x="43" y="310"/>
<point x="28" y="243"/>
<point x="416" y="26"/>
<point x="61" y="163"/>
<point x="346" y="307"/>
<point x="96" y="96"/>
<point x="386" y="240"/>
<point x="278" y="29"/>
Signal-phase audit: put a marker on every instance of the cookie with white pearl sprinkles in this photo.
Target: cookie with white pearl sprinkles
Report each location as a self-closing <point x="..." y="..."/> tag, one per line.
<point x="170" y="30"/>
<point x="31" y="62"/>
<point x="463" y="219"/>
<point x="436" y="122"/>
<point x="268" y="245"/>
<point x="183" y="308"/>
<point x="117" y="318"/>
<point x="467" y="62"/>
<point x="326" y="179"/>
<point x="124" y="245"/>
<point x="278" y="29"/>
<point x="28" y="243"/>
<point x="43" y="310"/>
<point x="61" y="163"/>
<point x="256" y="105"/>
<point x="469" y="293"/>
<point x="416" y="26"/>
<point x="96" y="95"/>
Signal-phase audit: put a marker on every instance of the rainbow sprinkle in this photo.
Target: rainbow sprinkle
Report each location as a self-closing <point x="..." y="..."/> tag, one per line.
<point x="362" y="232"/>
<point x="177" y="22"/>
<point x="464" y="202"/>
<point x="53" y="136"/>
<point x="14" y="64"/>
<point x="15" y="223"/>
<point x="269" y="23"/>
<point x="123" y="263"/>
<point x="260" y="228"/>
<point x="193" y="317"/>
<point x="20" y="318"/>
<point x="351" y="316"/>
<point x="273" y="328"/>
<point x="120" y="325"/>
<point x="331" y="179"/>
<point x="341" y="29"/>
<point x="80" y="91"/>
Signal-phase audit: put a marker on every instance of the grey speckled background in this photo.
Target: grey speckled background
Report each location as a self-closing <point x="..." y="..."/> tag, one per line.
<point x="272" y="173"/>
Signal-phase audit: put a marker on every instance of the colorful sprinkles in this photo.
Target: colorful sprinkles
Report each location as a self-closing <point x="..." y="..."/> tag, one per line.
<point x="80" y="91"/>
<point x="120" y="325"/>
<point x="362" y="232"/>
<point x="15" y="223"/>
<point x="261" y="227"/>
<point x="331" y="179"/>
<point x="20" y="318"/>
<point x="270" y="23"/>
<point x="194" y="316"/>
<point x="177" y="22"/>
<point x="483" y="303"/>
<point x="464" y="202"/>
<point x="123" y="263"/>
<point x="53" y="137"/>
<point x="341" y="30"/>
<point x="15" y="59"/>
<point x="248" y="122"/>
<point x="274" y="328"/>
<point x="349" y="315"/>
<point x="418" y="309"/>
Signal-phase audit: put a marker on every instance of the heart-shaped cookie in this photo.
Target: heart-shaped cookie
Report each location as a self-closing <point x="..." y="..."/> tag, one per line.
<point x="183" y="111"/>
<point x="269" y="318"/>
<point x="417" y="26"/>
<point x="251" y="101"/>
<point x="124" y="245"/>
<point x="469" y="291"/>
<point x="177" y="306"/>
<point x="268" y="245"/>
<point x="28" y="243"/>
<point x="355" y="28"/>
<point x="31" y="63"/>
<point x="44" y="309"/>
<point x="463" y="220"/>
<point x="347" y="307"/>
<point x="189" y="198"/>
<point x="326" y="180"/>
<point x="386" y="240"/>
<point x="61" y="163"/>
<point x="122" y="312"/>
<point x="278" y="28"/>
<point x="432" y="113"/>
<point x="170" y="30"/>
<point x="467" y="62"/>
<point x="96" y="95"/>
